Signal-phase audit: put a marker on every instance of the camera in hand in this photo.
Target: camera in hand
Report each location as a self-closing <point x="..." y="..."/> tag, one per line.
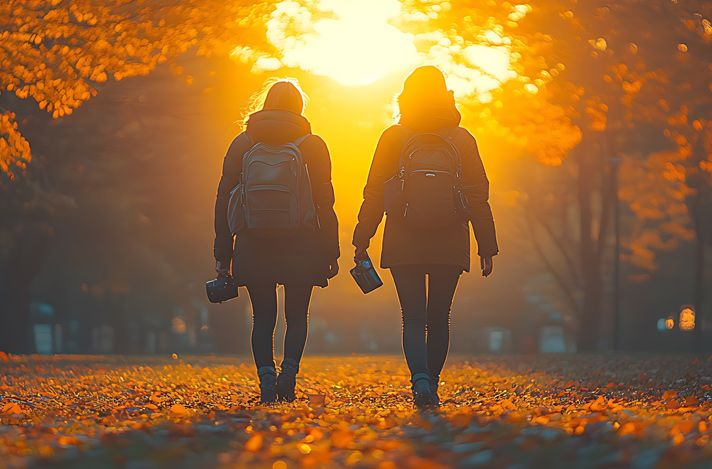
<point x="366" y="276"/>
<point x="221" y="289"/>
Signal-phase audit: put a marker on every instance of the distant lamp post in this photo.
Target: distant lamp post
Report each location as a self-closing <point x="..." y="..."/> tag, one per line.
<point x="687" y="318"/>
<point x="615" y="164"/>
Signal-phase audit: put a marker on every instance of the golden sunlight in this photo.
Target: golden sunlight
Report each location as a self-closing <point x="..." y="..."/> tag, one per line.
<point x="354" y="45"/>
<point x="358" y="42"/>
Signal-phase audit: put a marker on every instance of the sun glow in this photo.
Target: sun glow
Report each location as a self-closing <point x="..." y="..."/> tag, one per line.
<point x="354" y="45"/>
<point x="357" y="42"/>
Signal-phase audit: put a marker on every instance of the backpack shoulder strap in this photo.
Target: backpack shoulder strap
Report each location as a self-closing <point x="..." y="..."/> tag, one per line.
<point x="301" y="139"/>
<point x="406" y="137"/>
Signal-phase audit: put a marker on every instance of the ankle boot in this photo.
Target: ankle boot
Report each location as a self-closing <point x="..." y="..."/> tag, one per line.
<point x="422" y="396"/>
<point x="268" y="384"/>
<point x="434" y="382"/>
<point x="287" y="380"/>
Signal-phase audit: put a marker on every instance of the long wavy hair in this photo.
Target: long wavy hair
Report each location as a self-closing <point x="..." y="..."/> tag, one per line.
<point x="276" y="93"/>
<point x="423" y="89"/>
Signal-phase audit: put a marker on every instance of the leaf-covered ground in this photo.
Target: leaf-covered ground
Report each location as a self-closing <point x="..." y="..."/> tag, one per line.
<point x="534" y="411"/>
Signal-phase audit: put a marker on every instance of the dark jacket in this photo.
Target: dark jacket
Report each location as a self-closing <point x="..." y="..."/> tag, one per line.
<point x="304" y="257"/>
<point x="403" y="245"/>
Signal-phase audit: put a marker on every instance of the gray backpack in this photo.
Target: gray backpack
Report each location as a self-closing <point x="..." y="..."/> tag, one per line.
<point x="274" y="196"/>
<point x="427" y="190"/>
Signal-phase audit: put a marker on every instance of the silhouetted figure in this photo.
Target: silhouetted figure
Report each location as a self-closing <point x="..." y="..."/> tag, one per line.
<point x="271" y="246"/>
<point x="428" y="177"/>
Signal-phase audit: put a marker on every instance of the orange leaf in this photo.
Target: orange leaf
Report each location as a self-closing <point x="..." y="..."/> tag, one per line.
<point x="11" y="408"/>
<point x="685" y="426"/>
<point x="508" y="405"/>
<point x="460" y="420"/>
<point x="179" y="409"/>
<point x="627" y="428"/>
<point x="669" y="394"/>
<point x="672" y="405"/>
<point x="691" y="401"/>
<point x="254" y="443"/>
<point x="341" y="439"/>
<point x="67" y="440"/>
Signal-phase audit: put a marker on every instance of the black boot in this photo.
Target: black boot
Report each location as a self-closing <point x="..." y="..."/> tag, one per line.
<point x="422" y="396"/>
<point x="287" y="380"/>
<point x="268" y="384"/>
<point x="434" y="382"/>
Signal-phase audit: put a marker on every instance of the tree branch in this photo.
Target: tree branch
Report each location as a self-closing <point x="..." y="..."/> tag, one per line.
<point x="558" y="277"/>
<point x="562" y="249"/>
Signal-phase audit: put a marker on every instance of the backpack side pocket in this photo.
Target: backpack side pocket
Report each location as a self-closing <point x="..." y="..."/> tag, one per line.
<point x="235" y="210"/>
<point x="393" y="198"/>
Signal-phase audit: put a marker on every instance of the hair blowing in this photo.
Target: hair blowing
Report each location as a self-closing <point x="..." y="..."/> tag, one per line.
<point x="276" y="93"/>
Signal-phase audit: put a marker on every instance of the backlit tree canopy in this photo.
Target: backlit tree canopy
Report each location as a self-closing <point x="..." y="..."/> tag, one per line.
<point x="60" y="53"/>
<point x="541" y="77"/>
<point x="533" y="74"/>
<point x="555" y="91"/>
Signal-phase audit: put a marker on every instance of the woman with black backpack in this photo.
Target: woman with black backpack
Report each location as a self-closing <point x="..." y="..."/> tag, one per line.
<point x="428" y="177"/>
<point x="275" y="221"/>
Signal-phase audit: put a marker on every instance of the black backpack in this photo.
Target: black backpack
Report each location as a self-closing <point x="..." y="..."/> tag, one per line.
<point x="427" y="190"/>
<point x="274" y="196"/>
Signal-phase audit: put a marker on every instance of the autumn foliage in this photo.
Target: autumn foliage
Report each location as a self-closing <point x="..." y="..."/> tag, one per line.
<point x="61" y="53"/>
<point x="555" y="411"/>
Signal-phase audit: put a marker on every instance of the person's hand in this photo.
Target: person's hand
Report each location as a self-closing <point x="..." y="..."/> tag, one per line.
<point x="486" y="265"/>
<point x="333" y="269"/>
<point x="221" y="269"/>
<point x="360" y="255"/>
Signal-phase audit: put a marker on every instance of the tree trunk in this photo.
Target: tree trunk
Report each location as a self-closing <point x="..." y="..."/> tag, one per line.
<point x="699" y="224"/>
<point x="15" y="332"/>
<point x="590" y="249"/>
<point x="29" y="246"/>
<point x="589" y="324"/>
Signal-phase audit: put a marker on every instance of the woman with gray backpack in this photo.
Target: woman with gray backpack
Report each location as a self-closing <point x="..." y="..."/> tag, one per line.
<point x="427" y="176"/>
<point x="275" y="221"/>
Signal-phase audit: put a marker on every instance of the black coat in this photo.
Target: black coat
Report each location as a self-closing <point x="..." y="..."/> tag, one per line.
<point x="303" y="258"/>
<point x="450" y="245"/>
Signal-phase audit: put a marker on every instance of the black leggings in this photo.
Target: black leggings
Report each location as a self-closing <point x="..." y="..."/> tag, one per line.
<point x="421" y="314"/>
<point x="264" y="319"/>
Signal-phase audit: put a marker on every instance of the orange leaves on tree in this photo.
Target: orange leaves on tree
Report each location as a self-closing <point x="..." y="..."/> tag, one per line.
<point x="14" y="149"/>
<point x="60" y="53"/>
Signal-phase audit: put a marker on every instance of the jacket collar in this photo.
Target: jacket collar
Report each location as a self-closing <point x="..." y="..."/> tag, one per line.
<point x="277" y="126"/>
<point x="431" y="118"/>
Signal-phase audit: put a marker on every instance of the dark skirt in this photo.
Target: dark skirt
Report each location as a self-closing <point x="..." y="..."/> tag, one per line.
<point x="405" y="245"/>
<point x="294" y="260"/>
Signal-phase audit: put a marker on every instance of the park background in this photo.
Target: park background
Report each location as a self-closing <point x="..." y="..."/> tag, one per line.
<point x="115" y="117"/>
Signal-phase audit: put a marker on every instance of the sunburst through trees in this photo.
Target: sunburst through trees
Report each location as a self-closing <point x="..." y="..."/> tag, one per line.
<point x="560" y="80"/>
